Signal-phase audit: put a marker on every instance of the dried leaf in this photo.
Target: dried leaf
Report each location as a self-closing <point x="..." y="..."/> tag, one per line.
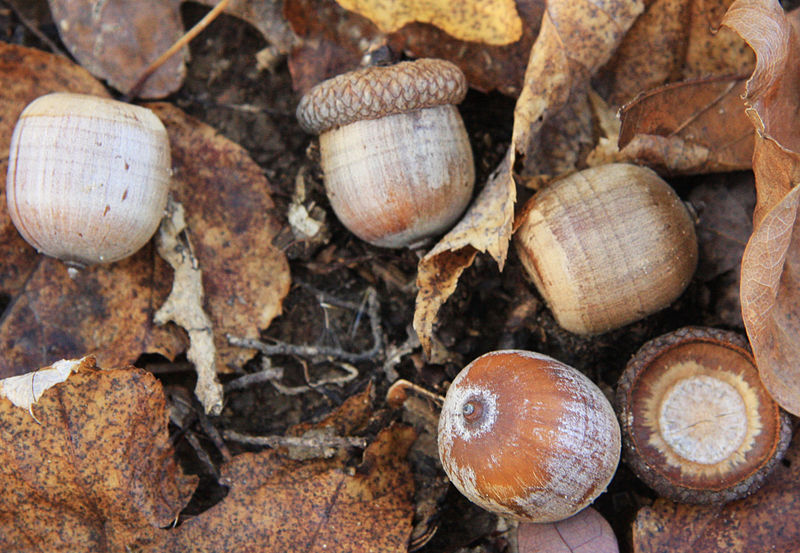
<point x="675" y="40"/>
<point x="765" y="521"/>
<point x="184" y="306"/>
<point x="266" y="16"/>
<point x="282" y="505"/>
<point x="689" y="127"/>
<point x="116" y="40"/>
<point x="585" y="532"/>
<point x="94" y="470"/>
<point x="553" y="127"/>
<point x="488" y="21"/>
<point x="228" y="212"/>
<point x="575" y="39"/>
<point x="486" y="227"/>
<point x="770" y="288"/>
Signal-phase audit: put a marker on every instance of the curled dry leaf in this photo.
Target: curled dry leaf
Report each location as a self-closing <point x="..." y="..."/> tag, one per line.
<point x="575" y="39"/>
<point x="94" y="470"/>
<point x="770" y="286"/>
<point x="764" y="521"/>
<point x="116" y="40"/>
<point x="586" y="532"/>
<point x="689" y="127"/>
<point x="675" y="40"/>
<point x="283" y="505"/>
<point x="488" y="21"/>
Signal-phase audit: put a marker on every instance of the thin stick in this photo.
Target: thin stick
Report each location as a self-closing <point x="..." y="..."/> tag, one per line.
<point x="181" y="42"/>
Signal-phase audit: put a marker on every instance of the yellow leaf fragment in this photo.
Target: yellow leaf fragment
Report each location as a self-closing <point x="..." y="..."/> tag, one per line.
<point x="493" y="22"/>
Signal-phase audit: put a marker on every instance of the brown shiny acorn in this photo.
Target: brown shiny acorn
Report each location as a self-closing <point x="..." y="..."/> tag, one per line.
<point x="88" y="177"/>
<point x="607" y="246"/>
<point x="528" y="437"/>
<point x="698" y="425"/>
<point x="396" y="159"/>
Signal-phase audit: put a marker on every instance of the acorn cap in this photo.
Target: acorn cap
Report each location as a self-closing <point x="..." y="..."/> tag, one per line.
<point x="698" y="426"/>
<point x="375" y="92"/>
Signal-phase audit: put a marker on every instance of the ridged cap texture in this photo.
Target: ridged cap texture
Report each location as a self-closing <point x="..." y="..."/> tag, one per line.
<point x="374" y="92"/>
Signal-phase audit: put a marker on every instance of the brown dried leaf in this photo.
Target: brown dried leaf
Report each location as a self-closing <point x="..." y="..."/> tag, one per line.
<point x="689" y="127"/>
<point x="94" y="470"/>
<point x="332" y="41"/>
<point x="770" y="288"/>
<point x="486" y="227"/>
<point x="282" y="505"/>
<point x="104" y="309"/>
<point x="675" y="40"/>
<point x="264" y="15"/>
<point x="117" y="39"/>
<point x="585" y="532"/>
<point x="488" y="21"/>
<point x="228" y="212"/>
<point x="552" y="119"/>
<point x="765" y="521"/>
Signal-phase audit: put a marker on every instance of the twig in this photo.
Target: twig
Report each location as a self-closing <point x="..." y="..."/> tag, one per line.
<point x="317" y="441"/>
<point x="282" y="348"/>
<point x="172" y="50"/>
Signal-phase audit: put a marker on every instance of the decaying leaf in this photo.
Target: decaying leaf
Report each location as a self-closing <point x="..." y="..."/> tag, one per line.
<point x="184" y="306"/>
<point x="487" y="21"/>
<point x="765" y="521"/>
<point x="675" y="40"/>
<point x="276" y="504"/>
<point x="108" y="309"/>
<point x="94" y="470"/>
<point x="116" y="40"/>
<point x="574" y="41"/>
<point x="770" y="286"/>
<point x="689" y="127"/>
<point x="229" y="216"/>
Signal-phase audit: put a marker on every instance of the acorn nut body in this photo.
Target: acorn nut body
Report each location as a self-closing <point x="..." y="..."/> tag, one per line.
<point x="88" y="177"/>
<point x="528" y="437"/>
<point x="396" y="159"/>
<point x="607" y="246"/>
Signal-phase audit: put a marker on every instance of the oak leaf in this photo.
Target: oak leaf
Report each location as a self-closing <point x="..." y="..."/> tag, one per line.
<point x="689" y="127"/>
<point x="88" y="466"/>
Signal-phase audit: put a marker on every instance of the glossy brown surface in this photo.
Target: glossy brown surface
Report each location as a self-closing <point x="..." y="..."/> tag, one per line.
<point x="546" y="442"/>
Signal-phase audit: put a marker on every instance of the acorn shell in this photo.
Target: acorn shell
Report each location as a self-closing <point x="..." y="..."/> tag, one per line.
<point x="528" y="437"/>
<point x="88" y="177"/>
<point x="698" y="424"/>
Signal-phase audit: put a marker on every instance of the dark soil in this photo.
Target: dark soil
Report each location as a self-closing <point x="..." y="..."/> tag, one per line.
<point x="490" y="310"/>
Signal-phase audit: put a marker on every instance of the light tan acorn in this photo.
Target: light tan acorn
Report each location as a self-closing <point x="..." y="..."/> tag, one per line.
<point x="607" y="246"/>
<point x="88" y="177"/>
